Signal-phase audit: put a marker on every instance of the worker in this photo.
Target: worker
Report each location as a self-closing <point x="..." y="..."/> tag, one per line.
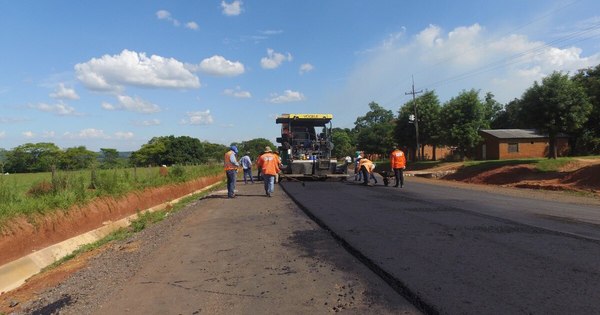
<point x="398" y="164"/>
<point x="269" y="164"/>
<point x="231" y="166"/>
<point x="366" y="167"/>
<point x="246" y="162"/>
<point x="357" y="172"/>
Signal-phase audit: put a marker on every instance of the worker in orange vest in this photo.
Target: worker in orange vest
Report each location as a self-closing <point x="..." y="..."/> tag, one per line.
<point x="269" y="163"/>
<point x="231" y="166"/>
<point x="366" y="167"/>
<point x="398" y="164"/>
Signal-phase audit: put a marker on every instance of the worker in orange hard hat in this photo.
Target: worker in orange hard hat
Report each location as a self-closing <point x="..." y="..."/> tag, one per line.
<point x="366" y="167"/>
<point x="398" y="164"/>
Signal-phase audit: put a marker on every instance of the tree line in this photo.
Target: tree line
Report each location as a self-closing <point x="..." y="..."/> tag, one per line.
<point x="558" y="104"/>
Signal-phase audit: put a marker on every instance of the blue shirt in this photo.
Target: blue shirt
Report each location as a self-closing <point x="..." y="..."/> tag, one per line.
<point x="246" y="162"/>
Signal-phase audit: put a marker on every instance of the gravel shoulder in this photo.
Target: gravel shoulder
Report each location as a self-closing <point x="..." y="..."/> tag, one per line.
<point x="251" y="254"/>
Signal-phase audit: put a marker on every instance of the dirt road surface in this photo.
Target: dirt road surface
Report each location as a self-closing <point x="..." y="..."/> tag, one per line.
<point x="468" y="250"/>
<point x="248" y="255"/>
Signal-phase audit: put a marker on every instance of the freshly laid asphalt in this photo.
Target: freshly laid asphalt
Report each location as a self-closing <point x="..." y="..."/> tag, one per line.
<point x="462" y="251"/>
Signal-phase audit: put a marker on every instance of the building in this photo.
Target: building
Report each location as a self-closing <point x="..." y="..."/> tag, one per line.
<point x="499" y="144"/>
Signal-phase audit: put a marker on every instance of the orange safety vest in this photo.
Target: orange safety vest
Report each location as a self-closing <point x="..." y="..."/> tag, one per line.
<point x="367" y="164"/>
<point x="269" y="163"/>
<point x="227" y="162"/>
<point x="397" y="159"/>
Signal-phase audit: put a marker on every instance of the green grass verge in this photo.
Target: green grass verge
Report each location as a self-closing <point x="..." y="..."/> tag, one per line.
<point x="34" y="195"/>
<point x="143" y="221"/>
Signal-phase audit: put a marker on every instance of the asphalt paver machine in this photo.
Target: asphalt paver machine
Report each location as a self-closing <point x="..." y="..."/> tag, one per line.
<point x="305" y="147"/>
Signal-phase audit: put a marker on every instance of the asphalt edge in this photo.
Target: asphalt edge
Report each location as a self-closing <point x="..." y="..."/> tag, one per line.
<point x="392" y="281"/>
<point x="15" y="273"/>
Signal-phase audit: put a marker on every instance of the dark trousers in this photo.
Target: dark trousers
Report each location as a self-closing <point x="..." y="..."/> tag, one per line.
<point x="367" y="176"/>
<point x="399" y="174"/>
<point x="231" y="178"/>
<point x="248" y="172"/>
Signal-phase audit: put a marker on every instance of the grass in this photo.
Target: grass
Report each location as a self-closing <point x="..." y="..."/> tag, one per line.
<point x="143" y="221"/>
<point x="32" y="195"/>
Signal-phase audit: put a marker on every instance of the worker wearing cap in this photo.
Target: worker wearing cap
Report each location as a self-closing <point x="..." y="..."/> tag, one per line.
<point x="398" y="164"/>
<point x="246" y="162"/>
<point x="269" y="162"/>
<point x="231" y="166"/>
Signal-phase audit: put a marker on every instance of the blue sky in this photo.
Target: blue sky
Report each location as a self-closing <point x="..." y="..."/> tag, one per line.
<point x="114" y="74"/>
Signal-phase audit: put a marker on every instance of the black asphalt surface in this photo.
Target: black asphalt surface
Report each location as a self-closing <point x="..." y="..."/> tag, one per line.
<point x="462" y="251"/>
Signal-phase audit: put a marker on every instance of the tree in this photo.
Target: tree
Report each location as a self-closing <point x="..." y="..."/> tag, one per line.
<point x="587" y="140"/>
<point x="150" y="153"/>
<point x="110" y="157"/>
<point x="77" y="158"/>
<point x="463" y="116"/>
<point x="556" y="105"/>
<point x="375" y="130"/>
<point x="255" y="146"/>
<point x="342" y="142"/>
<point x="171" y="150"/>
<point x="32" y="157"/>
<point x="492" y="110"/>
<point x="510" y="117"/>
<point x="428" y="107"/>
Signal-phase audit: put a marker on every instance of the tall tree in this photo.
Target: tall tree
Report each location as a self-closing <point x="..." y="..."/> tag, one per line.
<point x="77" y="158"/>
<point x="463" y="116"/>
<point x="556" y="105"/>
<point x="588" y="138"/>
<point x="342" y="142"/>
<point x="428" y="107"/>
<point x="33" y="157"/>
<point x="110" y="157"/>
<point x="375" y="130"/>
<point x="492" y="110"/>
<point x="255" y="147"/>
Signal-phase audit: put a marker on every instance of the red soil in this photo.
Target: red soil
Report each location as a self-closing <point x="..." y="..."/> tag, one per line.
<point x="25" y="237"/>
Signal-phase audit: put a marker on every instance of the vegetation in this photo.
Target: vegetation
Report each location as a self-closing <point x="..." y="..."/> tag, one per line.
<point x="35" y="194"/>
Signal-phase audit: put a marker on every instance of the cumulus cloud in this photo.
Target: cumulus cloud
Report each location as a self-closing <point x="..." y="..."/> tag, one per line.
<point x="307" y="67"/>
<point x="130" y="68"/>
<point x="60" y="109"/>
<point x="88" y="133"/>
<point x="132" y="104"/>
<point x="232" y="9"/>
<point x="28" y="134"/>
<point x="463" y="58"/>
<point x="191" y="25"/>
<point x="237" y="93"/>
<point x="219" y="66"/>
<point x="197" y="118"/>
<point x="274" y="59"/>
<point x="64" y="93"/>
<point x="287" y="97"/>
<point x="166" y="15"/>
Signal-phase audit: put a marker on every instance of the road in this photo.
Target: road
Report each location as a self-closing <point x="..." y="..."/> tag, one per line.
<point x="466" y="251"/>
<point x="426" y="248"/>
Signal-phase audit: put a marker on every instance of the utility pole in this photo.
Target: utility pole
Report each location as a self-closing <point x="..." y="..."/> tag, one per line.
<point x="416" y="122"/>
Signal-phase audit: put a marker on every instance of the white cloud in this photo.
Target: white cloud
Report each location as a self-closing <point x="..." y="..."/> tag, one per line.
<point x="89" y="133"/>
<point x="287" y="97"/>
<point x="198" y="118"/>
<point x="28" y="134"/>
<point x="64" y="93"/>
<point x="166" y="15"/>
<point x="466" y="57"/>
<point x="151" y="122"/>
<point x="218" y="65"/>
<point x="112" y="73"/>
<point x="2" y="134"/>
<point x="124" y="135"/>
<point x="132" y="104"/>
<point x="307" y="67"/>
<point x="237" y="93"/>
<point x="274" y="59"/>
<point x="191" y="25"/>
<point x="232" y="9"/>
<point x="60" y="109"/>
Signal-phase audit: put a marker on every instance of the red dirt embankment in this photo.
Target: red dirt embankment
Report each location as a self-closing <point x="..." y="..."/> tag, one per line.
<point x="25" y="237"/>
<point x="578" y="176"/>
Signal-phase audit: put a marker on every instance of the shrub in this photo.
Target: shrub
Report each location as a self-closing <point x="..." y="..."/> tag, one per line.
<point x="40" y="189"/>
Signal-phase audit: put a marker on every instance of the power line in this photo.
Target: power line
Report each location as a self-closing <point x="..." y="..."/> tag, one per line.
<point x="416" y="120"/>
